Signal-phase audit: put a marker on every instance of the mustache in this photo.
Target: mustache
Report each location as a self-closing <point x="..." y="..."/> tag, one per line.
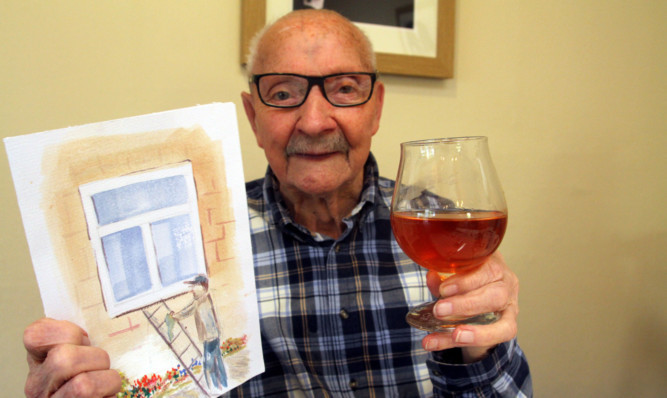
<point x="300" y="144"/>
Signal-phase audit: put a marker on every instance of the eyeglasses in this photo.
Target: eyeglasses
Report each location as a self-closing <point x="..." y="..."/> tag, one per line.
<point x="289" y="90"/>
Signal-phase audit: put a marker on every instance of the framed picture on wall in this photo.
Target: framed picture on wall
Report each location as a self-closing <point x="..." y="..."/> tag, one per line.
<point x="410" y="37"/>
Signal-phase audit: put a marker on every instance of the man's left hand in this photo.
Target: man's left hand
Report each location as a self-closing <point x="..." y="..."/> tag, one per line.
<point x="492" y="287"/>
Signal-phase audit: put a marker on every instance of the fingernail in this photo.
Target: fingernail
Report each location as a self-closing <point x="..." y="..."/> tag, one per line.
<point x="448" y="290"/>
<point x="465" y="337"/>
<point x="443" y="309"/>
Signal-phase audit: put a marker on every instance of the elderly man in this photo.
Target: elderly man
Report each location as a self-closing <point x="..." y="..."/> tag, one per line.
<point x="332" y="293"/>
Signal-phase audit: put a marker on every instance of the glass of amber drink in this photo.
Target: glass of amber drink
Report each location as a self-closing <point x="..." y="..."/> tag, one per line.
<point x="448" y="214"/>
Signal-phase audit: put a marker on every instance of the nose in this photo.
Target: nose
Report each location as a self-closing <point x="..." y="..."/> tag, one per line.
<point x="316" y="114"/>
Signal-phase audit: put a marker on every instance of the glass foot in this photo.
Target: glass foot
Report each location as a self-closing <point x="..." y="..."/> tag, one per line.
<point x="421" y="317"/>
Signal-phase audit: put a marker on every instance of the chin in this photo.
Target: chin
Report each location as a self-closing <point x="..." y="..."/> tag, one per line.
<point x="321" y="182"/>
<point x="317" y="187"/>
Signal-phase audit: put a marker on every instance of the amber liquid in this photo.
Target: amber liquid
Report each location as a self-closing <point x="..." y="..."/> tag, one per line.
<point x="449" y="241"/>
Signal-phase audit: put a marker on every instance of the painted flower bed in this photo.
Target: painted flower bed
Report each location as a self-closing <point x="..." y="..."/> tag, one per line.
<point x="162" y="385"/>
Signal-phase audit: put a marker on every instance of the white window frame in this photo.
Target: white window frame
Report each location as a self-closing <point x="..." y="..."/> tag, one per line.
<point x="97" y="232"/>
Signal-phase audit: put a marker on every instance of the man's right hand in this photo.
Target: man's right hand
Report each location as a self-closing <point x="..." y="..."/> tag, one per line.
<point x="63" y="364"/>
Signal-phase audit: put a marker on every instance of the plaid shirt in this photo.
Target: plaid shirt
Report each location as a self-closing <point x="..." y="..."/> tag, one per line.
<point x="332" y="311"/>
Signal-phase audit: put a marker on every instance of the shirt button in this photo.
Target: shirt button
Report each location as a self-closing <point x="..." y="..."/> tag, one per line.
<point x="343" y="314"/>
<point x="353" y="384"/>
<point x="337" y="248"/>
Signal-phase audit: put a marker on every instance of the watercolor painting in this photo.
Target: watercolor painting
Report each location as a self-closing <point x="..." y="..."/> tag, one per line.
<point x="138" y="232"/>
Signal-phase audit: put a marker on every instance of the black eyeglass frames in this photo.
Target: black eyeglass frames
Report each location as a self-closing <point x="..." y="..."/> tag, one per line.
<point x="290" y="90"/>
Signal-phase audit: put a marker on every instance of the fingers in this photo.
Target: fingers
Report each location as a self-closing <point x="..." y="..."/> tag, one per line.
<point x="103" y="383"/>
<point x="62" y="363"/>
<point x="493" y="270"/>
<point x="493" y="287"/>
<point x="482" y="336"/>
<point x="72" y="370"/>
<point x="494" y="297"/>
<point x="42" y="335"/>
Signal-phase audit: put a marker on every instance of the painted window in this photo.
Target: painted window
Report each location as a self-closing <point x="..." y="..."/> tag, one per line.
<point x="144" y="229"/>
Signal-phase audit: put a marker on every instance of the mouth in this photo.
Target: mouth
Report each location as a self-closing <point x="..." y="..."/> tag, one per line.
<point x="314" y="156"/>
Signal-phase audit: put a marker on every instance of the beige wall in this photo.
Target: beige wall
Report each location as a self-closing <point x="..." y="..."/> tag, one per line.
<point x="571" y="93"/>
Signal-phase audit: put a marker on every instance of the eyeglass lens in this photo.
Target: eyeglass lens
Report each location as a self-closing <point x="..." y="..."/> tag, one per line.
<point x="291" y="90"/>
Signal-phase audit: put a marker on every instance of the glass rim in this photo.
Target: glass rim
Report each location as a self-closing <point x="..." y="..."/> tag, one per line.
<point x="445" y="140"/>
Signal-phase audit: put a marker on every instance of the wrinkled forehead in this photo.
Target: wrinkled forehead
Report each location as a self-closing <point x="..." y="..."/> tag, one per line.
<point x="301" y="43"/>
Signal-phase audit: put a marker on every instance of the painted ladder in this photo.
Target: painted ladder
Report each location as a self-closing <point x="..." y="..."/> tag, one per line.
<point x="182" y="344"/>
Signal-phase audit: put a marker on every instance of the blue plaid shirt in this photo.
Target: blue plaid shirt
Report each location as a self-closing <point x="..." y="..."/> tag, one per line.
<point x="332" y="311"/>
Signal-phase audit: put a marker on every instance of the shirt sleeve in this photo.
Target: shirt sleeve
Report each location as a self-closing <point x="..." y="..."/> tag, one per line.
<point x="502" y="373"/>
<point x="187" y="311"/>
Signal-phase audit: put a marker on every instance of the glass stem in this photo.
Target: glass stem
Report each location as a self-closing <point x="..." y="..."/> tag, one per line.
<point x="444" y="275"/>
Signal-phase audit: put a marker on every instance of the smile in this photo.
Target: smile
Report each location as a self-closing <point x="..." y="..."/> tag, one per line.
<point x="315" y="156"/>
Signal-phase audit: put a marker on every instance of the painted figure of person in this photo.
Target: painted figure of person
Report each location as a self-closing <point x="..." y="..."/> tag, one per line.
<point x="208" y="330"/>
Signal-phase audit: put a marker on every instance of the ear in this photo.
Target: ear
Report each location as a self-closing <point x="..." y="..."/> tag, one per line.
<point x="249" y="107"/>
<point x="378" y="93"/>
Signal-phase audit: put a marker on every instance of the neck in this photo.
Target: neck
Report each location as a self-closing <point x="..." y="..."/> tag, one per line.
<point x="323" y="212"/>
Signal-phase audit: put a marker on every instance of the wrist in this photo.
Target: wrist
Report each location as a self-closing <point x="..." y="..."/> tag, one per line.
<point x="474" y="354"/>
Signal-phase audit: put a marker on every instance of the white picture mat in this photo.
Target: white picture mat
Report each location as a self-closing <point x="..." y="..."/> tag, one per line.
<point x="419" y="41"/>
